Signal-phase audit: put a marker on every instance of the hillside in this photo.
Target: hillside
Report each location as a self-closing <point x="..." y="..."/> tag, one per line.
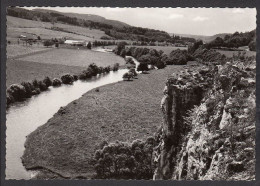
<point x="31" y="28"/>
<point x="89" y="17"/>
<point x="121" y="31"/>
<point x="205" y="39"/>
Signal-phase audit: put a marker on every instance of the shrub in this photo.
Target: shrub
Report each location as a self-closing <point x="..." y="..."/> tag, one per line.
<point x="125" y="161"/>
<point x="75" y="77"/>
<point x="82" y="76"/>
<point x="132" y="70"/>
<point x="142" y="67"/>
<point x="42" y="86"/>
<point x="48" y="43"/>
<point x="123" y="53"/>
<point x="89" y="45"/>
<point x="28" y="89"/>
<point x="107" y="69"/>
<point x="93" y="68"/>
<point x="115" y="67"/>
<point x="159" y="64"/>
<point x="56" y="82"/>
<point x="36" y="91"/>
<point x="9" y="99"/>
<point x="128" y="76"/>
<point x="67" y="79"/>
<point x="130" y="60"/>
<point x="47" y="81"/>
<point x="35" y="83"/>
<point x="16" y="91"/>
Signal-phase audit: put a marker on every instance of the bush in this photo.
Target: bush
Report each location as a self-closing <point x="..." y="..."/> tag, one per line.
<point x="42" y="86"/>
<point x="142" y="67"/>
<point x="35" y="83"/>
<point x="36" y="91"/>
<point x="56" y="82"/>
<point x="28" y="89"/>
<point x="89" y="45"/>
<point x="159" y="64"/>
<point x="48" y="43"/>
<point x="67" y="79"/>
<point x="115" y="67"/>
<point x="47" y="81"/>
<point x="93" y="69"/>
<point x="107" y="69"/>
<point x="123" y="53"/>
<point x="17" y="92"/>
<point x="75" y="77"/>
<point x="9" y="99"/>
<point x="125" y="161"/>
<point x="132" y="70"/>
<point x="128" y="76"/>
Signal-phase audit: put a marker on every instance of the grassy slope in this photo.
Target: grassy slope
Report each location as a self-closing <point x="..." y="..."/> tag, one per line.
<point x="18" y="26"/>
<point x="230" y="53"/>
<point x="122" y="111"/>
<point x="18" y="71"/>
<point x="13" y="50"/>
<point x="75" y="57"/>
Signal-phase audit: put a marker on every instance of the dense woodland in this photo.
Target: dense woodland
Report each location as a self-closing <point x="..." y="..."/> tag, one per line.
<point x="235" y="40"/>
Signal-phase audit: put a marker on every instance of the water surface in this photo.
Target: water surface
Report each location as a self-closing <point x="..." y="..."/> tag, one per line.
<point x="24" y="117"/>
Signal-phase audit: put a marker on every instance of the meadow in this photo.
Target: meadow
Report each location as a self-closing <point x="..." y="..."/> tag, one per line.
<point x="122" y="111"/>
<point x="230" y="53"/>
<point x="18" y="26"/>
<point x="74" y="57"/>
<point x="18" y="71"/>
<point x="14" y="50"/>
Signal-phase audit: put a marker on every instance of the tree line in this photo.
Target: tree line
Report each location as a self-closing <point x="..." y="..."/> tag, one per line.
<point x="235" y="40"/>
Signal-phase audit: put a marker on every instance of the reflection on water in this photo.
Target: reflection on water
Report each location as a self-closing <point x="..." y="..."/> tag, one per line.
<point x="23" y="118"/>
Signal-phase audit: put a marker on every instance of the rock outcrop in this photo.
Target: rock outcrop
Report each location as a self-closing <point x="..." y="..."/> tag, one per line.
<point x="208" y="131"/>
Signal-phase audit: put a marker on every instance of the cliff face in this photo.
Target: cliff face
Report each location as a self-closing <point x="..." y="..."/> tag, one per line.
<point x="208" y="131"/>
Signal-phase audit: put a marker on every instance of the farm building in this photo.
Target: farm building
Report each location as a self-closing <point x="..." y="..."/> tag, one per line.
<point x="76" y="42"/>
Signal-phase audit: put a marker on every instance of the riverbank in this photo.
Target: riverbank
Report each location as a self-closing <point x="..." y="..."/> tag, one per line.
<point x="122" y="111"/>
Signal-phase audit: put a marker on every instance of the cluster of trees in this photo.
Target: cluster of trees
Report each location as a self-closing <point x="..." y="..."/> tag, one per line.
<point x="19" y="92"/>
<point x="25" y="90"/>
<point x="153" y="57"/>
<point x="93" y="70"/>
<point x="27" y="14"/>
<point x="182" y="40"/>
<point x="103" y="43"/>
<point x="125" y="161"/>
<point x="235" y="40"/>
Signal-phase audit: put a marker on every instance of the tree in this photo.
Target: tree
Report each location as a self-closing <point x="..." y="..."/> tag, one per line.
<point x="89" y="45"/>
<point x="142" y="67"/>
<point x="128" y="75"/>
<point x="252" y="46"/>
<point x="48" y="43"/>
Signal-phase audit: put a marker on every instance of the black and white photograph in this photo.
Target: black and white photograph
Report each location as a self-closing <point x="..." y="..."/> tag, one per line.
<point x="100" y="93"/>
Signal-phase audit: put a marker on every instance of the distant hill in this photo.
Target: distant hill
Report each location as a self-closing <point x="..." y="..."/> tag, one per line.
<point x="205" y="39"/>
<point x="87" y="17"/>
<point x="112" y="28"/>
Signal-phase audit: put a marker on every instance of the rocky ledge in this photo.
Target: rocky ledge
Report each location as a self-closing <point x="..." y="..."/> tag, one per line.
<point x="208" y="131"/>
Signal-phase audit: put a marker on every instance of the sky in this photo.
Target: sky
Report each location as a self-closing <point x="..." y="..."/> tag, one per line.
<point x="196" y="21"/>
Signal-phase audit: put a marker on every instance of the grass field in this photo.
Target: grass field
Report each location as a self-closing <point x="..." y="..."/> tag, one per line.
<point x="230" y="53"/>
<point x="17" y="50"/>
<point x="75" y="57"/>
<point x="18" y="71"/>
<point x="122" y="111"/>
<point x="166" y="49"/>
<point x="18" y="26"/>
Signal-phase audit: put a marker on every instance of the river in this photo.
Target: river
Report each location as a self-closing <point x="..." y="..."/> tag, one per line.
<point x="24" y="117"/>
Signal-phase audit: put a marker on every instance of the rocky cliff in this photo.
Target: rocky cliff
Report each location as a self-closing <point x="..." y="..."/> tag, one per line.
<point x="208" y="131"/>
